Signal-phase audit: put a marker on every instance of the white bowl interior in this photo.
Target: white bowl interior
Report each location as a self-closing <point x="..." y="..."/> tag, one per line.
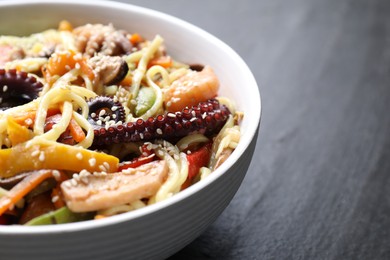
<point x="184" y="42"/>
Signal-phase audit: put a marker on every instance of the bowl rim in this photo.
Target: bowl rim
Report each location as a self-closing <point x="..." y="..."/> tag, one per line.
<point x="150" y="209"/>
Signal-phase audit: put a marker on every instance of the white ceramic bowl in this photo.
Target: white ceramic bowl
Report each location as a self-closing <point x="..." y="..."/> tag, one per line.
<point x="159" y="230"/>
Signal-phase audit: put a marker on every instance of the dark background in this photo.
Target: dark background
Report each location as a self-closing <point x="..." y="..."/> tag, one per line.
<point x="318" y="186"/>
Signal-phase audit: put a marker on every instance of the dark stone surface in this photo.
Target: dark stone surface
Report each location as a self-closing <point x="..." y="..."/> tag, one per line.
<point x="318" y="186"/>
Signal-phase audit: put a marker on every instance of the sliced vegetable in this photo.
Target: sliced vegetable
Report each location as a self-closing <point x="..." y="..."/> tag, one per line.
<point x="27" y="118"/>
<point x="60" y="216"/>
<point x="136" y="162"/>
<point x="17" y="133"/>
<point x="61" y="63"/>
<point x="197" y="160"/>
<point x="22" y="188"/>
<point x="145" y="100"/>
<point x="135" y="38"/>
<point x="27" y="157"/>
<point x="163" y="61"/>
<point x="75" y="130"/>
<point x="37" y="206"/>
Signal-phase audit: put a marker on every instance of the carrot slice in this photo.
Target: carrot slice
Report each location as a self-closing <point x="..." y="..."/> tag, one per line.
<point x="135" y="38"/>
<point x="163" y="61"/>
<point x="23" y="188"/>
<point x="27" y="118"/>
<point x="76" y="131"/>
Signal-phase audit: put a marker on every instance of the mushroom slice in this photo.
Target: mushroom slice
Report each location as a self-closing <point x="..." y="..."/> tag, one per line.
<point x="110" y="70"/>
<point x="90" y="192"/>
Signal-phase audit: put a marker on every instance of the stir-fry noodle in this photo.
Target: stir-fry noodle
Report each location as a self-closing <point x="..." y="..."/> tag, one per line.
<point x="96" y="121"/>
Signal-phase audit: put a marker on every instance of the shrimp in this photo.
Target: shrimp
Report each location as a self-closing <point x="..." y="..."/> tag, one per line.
<point x="191" y="89"/>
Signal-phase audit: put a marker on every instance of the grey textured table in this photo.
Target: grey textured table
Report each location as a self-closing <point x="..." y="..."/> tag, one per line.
<point x="318" y="185"/>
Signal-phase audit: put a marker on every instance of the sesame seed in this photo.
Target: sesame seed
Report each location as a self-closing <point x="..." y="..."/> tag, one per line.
<point x="114" y="108"/>
<point x="56" y="174"/>
<point x="93" y="115"/>
<point x="77" y="66"/>
<point x="99" y="122"/>
<point x="5" y="88"/>
<point x="159" y="131"/>
<point x="35" y="153"/>
<point x="128" y="171"/>
<point x="76" y="176"/>
<point x="193" y="119"/>
<point x="92" y="162"/>
<point x="77" y="56"/>
<point x="133" y="102"/>
<point x="171" y="115"/>
<point x="141" y="135"/>
<point x="28" y="121"/>
<point x="175" y="100"/>
<point x="102" y="112"/>
<point x="42" y="156"/>
<point x="169" y="103"/>
<point x="84" y="179"/>
<point x="67" y="67"/>
<point x="106" y="165"/>
<point x="73" y="182"/>
<point x="84" y="173"/>
<point x="79" y="156"/>
<point x="102" y="168"/>
<point x="189" y="152"/>
<point x="55" y="199"/>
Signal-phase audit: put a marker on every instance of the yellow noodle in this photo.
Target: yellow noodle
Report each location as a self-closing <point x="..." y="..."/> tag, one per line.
<point x="186" y="141"/>
<point x="134" y="57"/>
<point x="177" y="74"/>
<point x="54" y="133"/>
<point x="27" y="64"/>
<point x="178" y="171"/>
<point x="157" y="69"/>
<point x="157" y="105"/>
<point x="204" y="172"/>
<point x="141" y="69"/>
<point x="87" y="142"/>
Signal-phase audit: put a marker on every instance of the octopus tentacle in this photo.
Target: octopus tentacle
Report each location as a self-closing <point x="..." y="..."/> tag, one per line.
<point x="17" y="88"/>
<point x="206" y="118"/>
<point x="105" y="109"/>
